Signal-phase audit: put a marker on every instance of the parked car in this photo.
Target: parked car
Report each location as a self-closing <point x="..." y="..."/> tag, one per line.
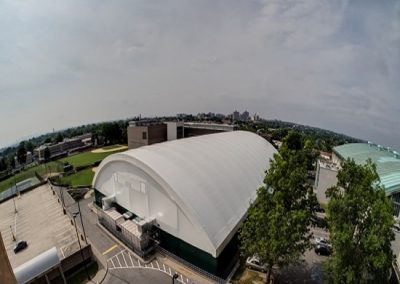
<point x="20" y="245"/>
<point x="322" y="241"/>
<point x="254" y="263"/>
<point x="323" y="250"/>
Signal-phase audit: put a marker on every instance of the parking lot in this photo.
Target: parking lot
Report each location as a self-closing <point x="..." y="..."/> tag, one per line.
<point x="39" y="221"/>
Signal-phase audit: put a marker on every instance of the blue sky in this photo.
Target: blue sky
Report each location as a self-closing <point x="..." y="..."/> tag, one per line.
<point x="326" y="63"/>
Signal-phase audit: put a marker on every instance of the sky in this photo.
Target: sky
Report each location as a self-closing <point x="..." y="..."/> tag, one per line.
<point x="325" y="63"/>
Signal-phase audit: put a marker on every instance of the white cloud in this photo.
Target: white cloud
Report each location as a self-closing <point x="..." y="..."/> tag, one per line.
<point x="327" y="63"/>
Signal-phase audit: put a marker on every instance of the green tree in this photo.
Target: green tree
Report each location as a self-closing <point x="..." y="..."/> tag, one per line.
<point x="277" y="225"/>
<point x="29" y="146"/>
<point x="21" y="153"/>
<point x="112" y="132"/>
<point x="59" y="138"/>
<point x="3" y="164"/>
<point x="11" y="161"/>
<point x="360" y="218"/>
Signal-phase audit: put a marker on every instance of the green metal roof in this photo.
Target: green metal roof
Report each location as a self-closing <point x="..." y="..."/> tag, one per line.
<point x="387" y="161"/>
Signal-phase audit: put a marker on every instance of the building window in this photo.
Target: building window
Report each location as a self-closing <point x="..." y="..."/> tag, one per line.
<point x="144" y="135"/>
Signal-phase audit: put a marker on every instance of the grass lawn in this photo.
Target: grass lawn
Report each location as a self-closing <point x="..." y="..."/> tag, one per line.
<point x="83" y="177"/>
<point x="87" y="158"/>
<point x="82" y="159"/>
<point x="247" y="276"/>
<point x="28" y="173"/>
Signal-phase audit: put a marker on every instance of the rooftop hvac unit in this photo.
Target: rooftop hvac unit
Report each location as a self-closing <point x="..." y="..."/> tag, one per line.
<point x="143" y="224"/>
<point x="108" y="201"/>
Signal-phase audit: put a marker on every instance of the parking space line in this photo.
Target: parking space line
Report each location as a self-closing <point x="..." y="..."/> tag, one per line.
<point x="131" y="259"/>
<point x="156" y="266"/>
<point x="123" y="256"/>
<point x="118" y="261"/>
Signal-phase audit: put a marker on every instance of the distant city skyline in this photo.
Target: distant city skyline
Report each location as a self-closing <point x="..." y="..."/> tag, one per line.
<point x="330" y="64"/>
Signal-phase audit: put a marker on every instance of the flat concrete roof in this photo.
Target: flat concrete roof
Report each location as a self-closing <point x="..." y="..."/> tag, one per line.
<point x="39" y="221"/>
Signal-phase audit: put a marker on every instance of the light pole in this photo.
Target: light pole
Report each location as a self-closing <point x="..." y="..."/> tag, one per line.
<point x="175" y="276"/>
<point x="80" y="248"/>
<point x="15" y="191"/>
<point x="62" y="199"/>
<point x="80" y="215"/>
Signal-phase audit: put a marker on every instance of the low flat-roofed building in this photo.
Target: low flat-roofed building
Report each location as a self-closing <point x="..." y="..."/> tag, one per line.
<point x="387" y="165"/>
<point x="63" y="148"/>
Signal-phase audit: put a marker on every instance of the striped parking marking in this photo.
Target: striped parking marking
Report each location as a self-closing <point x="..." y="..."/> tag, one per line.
<point x="120" y="262"/>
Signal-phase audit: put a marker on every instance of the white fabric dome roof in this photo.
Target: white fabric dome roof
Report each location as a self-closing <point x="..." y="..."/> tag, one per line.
<point x="213" y="177"/>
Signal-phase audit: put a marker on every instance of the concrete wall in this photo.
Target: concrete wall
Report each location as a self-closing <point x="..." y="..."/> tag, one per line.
<point x="154" y="134"/>
<point x="6" y="272"/>
<point x="324" y="179"/>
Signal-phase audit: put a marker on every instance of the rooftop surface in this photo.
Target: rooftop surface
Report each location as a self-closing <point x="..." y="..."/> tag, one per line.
<point x="39" y="221"/>
<point x="387" y="161"/>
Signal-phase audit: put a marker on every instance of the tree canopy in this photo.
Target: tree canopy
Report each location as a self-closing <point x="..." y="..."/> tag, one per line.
<point x="276" y="228"/>
<point x="360" y="218"/>
<point x="21" y="153"/>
